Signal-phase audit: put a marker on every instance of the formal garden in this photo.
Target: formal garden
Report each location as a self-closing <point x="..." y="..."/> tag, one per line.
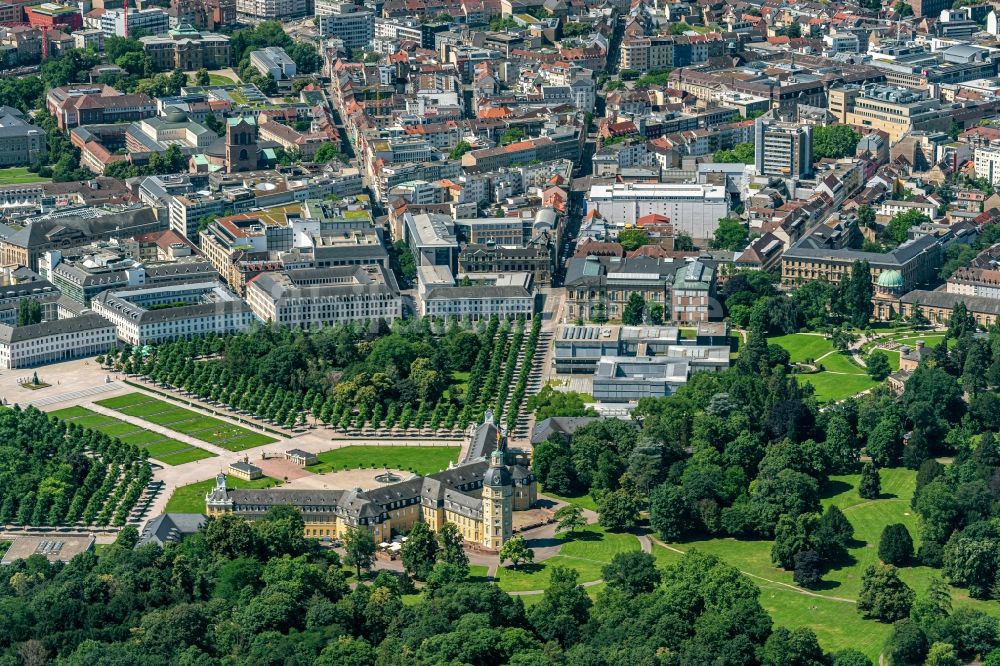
<point x="421" y="460"/>
<point x="57" y="472"/>
<point x="420" y="378"/>
<point x="165" y="449"/>
<point x="199" y="426"/>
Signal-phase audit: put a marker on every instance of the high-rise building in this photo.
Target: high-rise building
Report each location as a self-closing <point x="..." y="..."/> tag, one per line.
<point x="782" y="149"/>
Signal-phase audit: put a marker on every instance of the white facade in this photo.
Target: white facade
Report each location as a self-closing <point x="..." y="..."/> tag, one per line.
<point x="153" y="21"/>
<point x="693" y="209"/>
<point x="270" y="9"/>
<point x="320" y="297"/>
<point x="478" y="303"/>
<point x="987" y="163"/>
<point x="50" y="342"/>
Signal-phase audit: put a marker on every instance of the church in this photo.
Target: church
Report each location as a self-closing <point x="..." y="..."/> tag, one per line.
<point x="477" y="495"/>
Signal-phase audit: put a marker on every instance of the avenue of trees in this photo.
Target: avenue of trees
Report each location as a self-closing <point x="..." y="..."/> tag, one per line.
<point x="353" y="375"/>
<point x="57" y="473"/>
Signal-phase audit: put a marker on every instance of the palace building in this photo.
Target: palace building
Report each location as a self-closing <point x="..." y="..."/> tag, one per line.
<point x="478" y="496"/>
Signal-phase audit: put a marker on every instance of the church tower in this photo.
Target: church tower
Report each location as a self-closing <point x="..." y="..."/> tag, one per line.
<point x="497" y="502"/>
<point x="242" y="152"/>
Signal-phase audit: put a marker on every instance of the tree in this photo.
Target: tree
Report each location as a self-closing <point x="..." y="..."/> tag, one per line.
<point x="854" y="295"/>
<point x="841" y="445"/>
<point x="850" y="657"/>
<point x="632" y="572"/>
<point x="785" y="647"/>
<point x="899" y="226"/>
<point x="325" y="153"/>
<point x="516" y="550"/>
<point x="632" y="239"/>
<point x="202" y="77"/>
<point x="655" y="311"/>
<point x="461" y="148"/>
<point x="731" y="234"/>
<point x="360" y="547"/>
<point x="29" y="311"/>
<point x="942" y="654"/>
<point x="960" y="321"/>
<point x="834" y="141"/>
<point x="885" y="443"/>
<point x="569" y="518"/>
<point x="808" y="568"/>
<point x="833" y="534"/>
<point x="633" y="310"/>
<point x="878" y="365"/>
<point x="907" y="644"/>
<point x="669" y="511"/>
<point x="895" y="546"/>
<point x="871" y="485"/>
<point x="451" y="550"/>
<point x="563" y="609"/>
<point x="741" y="153"/>
<point x="884" y="596"/>
<point x="512" y="135"/>
<point x="619" y="510"/>
<point x="866" y="216"/>
<point x="971" y="560"/>
<point x="419" y="551"/>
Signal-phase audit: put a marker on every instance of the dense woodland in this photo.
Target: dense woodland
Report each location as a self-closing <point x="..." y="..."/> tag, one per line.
<point x="54" y="473"/>
<point x="261" y="594"/>
<point x="352" y="375"/>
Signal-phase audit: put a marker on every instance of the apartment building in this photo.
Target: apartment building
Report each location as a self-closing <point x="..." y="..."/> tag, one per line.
<point x="148" y="314"/>
<point x="323" y="296"/>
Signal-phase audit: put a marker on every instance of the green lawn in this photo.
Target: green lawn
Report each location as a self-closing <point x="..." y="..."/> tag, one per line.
<point x="836" y="622"/>
<point x="220" y="80"/>
<point x="191" y="498"/>
<point x="417" y="459"/>
<point x="583" y="501"/>
<point x="19" y="176"/>
<point x="801" y="346"/>
<point x="206" y="428"/>
<point x="587" y="552"/>
<point x="165" y="449"/>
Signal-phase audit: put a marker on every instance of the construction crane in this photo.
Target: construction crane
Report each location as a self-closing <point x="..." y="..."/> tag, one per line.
<point x="43" y="28"/>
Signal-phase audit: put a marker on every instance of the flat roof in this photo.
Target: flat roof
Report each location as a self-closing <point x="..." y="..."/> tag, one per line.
<point x="54" y="547"/>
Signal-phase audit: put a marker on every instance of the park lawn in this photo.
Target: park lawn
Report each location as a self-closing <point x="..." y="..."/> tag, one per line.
<point x="583" y="501"/>
<point x="167" y="450"/>
<point x="19" y="176"/>
<point x="592" y="591"/>
<point x="477" y="572"/>
<point x="200" y="426"/>
<point x="220" y="80"/>
<point x="832" y="387"/>
<point x="801" y="346"/>
<point x="836" y="623"/>
<point x="417" y="459"/>
<point x="191" y="498"/>
<point x="843" y="363"/>
<point x="587" y="551"/>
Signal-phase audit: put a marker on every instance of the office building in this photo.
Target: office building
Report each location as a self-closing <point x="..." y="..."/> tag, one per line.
<point x="275" y="61"/>
<point x="987" y="163"/>
<point x="54" y="341"/>
<point x="274" y="10"/>
<point x="322" y="296"/>
<point x="628" y="379"/>
<point x="95" y="104"/>
<point x="578" y="349"/>
<point x="782" y="149"/>
<point x="141" y="22"/>
<point x="893" y="110"/>
<point x="147" y="314"/>
<point x="55" y="15"/>
<point x="343" y="20"/>
<point x="693" y="209"/>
